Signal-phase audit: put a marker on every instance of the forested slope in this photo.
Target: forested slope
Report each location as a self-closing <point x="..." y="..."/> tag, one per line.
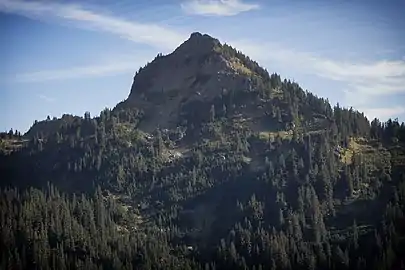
<point x="250" y="172"/>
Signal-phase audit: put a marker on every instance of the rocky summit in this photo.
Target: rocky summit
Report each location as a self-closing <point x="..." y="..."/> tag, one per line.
<point x="198" y="70"/>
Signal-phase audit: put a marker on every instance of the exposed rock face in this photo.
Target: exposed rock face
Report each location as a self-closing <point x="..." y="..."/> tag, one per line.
<point x="195" y="70"/>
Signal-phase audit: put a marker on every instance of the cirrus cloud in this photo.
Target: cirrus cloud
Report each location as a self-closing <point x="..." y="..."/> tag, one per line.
<point x="144" y="33"/>
<point x="365" y="81"/>
<point x="92" y="70"/>
<point x="217" y="7"/>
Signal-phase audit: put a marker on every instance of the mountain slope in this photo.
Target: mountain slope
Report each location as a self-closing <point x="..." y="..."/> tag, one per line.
<point x="198" y="73"/>
<point x="210" y="163"/>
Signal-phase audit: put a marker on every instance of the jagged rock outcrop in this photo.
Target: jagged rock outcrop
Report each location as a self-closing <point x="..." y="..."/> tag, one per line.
<point x="197" y="69"/>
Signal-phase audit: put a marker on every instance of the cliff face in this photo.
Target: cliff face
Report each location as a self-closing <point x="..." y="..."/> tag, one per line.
<point x="197" y="69"/>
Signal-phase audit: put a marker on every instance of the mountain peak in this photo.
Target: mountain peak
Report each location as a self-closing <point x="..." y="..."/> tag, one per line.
<point x="198" y="70"/>
<point x="199" y="36"/>
<point x="196" y="35"/>
<point x="198" y="44"/>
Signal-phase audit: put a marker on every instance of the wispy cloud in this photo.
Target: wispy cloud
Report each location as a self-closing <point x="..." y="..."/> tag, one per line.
<point x="217" y="7"/>
<point x="151" y="34"/>
<point x="383" y="113"/>
<point x="365" y="80"/>
<point x="102" y="69"/>
<point x="46" y="98"/>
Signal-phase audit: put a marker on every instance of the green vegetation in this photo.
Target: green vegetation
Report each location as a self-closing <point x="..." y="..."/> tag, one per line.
<point x="284" y="135"/>
<point x="240" y="67"/>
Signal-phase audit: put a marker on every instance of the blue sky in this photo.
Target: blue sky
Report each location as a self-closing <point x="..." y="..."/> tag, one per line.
<point x="70" y="57"/>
